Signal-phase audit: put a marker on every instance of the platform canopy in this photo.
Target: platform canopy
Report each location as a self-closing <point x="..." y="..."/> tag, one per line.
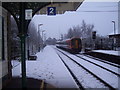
<point x="61" y="7"/>
<point x="39" y="8"/>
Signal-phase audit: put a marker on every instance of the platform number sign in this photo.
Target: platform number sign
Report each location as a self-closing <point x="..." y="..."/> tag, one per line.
<point x="51" y="10"/>
<point x="28" y="14"/>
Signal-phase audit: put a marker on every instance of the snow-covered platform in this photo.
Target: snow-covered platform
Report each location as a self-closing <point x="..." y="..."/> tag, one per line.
<point x="110" y="52"/>
<point x="109" y="55"/>
<point x="48" y="67"/>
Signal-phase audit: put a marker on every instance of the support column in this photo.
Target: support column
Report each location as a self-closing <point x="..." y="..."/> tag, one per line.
<point x="23" y="60"/>
<point x="23" y="47"/>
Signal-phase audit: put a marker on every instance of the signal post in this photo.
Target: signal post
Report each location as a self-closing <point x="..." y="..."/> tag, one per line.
<point x="93" y="37"/>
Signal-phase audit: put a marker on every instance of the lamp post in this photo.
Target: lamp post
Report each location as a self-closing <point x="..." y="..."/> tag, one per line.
<point x="114" y="26"/>
<point x="114" y="37"/>
<point x="42" y="34"/>
<point x="39" y="25"/>
<point x="42" y="38"/>
<point x="28" y="53"/>
<point x="39" y="36"/>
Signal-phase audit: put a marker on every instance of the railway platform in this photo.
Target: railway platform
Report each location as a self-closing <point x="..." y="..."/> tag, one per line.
<point x="108" y="55"/>
<point x="15" y="83"/>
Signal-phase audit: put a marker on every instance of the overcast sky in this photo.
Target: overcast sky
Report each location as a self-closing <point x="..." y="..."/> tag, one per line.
<point x="100" y="14"/>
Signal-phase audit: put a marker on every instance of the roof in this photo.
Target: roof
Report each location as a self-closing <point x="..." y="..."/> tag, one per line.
<point x="115" y="35"/>
<point x="15" y="9"/>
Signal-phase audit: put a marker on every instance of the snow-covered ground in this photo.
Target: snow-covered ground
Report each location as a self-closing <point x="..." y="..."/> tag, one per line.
<point x="48" y="67"/>
<point x="82" y="75"/>
<point x="102" y="73"/>
<point x="112" y="52"/>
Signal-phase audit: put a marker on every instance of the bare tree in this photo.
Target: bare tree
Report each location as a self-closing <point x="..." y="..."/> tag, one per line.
<point x="34" y="38"/>
<point x="70" y="33"/>
<point x="84" y="32"/>
<point x="15" y="40"/>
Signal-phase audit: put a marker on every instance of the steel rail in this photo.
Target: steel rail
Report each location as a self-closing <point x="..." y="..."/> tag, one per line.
<point x="73" y="75"/>
<point x="105" y="83"/>
<point x="101" y="60"/>
<point x="99" y="66"/>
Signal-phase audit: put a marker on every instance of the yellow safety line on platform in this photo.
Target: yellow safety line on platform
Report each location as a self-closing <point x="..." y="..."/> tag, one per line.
<point x="42" y="85"/>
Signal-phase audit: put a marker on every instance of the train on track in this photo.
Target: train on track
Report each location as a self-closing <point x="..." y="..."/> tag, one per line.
<point x="73" y="45"/>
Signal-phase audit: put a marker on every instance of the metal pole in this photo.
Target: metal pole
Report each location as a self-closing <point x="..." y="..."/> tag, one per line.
<point x="28" y="47"/>
<point x="42" y="39"/>
<point x="114" y="26"/>
<point x="114" y="37"/>
<point x="39" y="35"/>
<point x="23" y="48"/>
<point x="38" y="39"/>
<point x="101" y="43"/>
<point x="23" y="62"/>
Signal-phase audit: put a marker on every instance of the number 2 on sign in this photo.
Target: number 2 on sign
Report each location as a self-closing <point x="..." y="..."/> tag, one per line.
<point x="51" y="10"/>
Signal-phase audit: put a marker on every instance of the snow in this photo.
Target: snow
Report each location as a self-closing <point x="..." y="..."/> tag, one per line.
<point x="15" y="63"/>
<point x="105" y="75"/>
<point x="112" y="68"/>
<point x="117" y="53"/>
<point x="48" y="67"/>
<point x="84" y="77"/>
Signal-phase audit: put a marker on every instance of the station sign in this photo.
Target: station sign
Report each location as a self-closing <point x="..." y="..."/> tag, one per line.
<point x="28" y="14"/>
<point x="51" y="10"/>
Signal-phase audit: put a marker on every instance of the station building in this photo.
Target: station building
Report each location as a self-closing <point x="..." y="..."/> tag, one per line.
<point x="116" y="41"/>
<point x="5" y="63"/>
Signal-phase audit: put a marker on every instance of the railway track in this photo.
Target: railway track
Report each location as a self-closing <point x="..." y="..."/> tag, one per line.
<point x="91" y="74"/>
<point x="110" y="63"/>
<point x="73" y="75"/>
<point x="97" y="64"/>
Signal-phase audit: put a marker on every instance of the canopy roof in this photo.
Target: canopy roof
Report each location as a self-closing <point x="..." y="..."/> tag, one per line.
<point x="38" y="8"/>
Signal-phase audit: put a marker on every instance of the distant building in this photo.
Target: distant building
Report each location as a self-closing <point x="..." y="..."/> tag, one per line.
<point x="116" y="39"/>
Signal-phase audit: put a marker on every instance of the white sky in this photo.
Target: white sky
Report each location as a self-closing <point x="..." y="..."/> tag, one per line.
<point x="59" y="24"/>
